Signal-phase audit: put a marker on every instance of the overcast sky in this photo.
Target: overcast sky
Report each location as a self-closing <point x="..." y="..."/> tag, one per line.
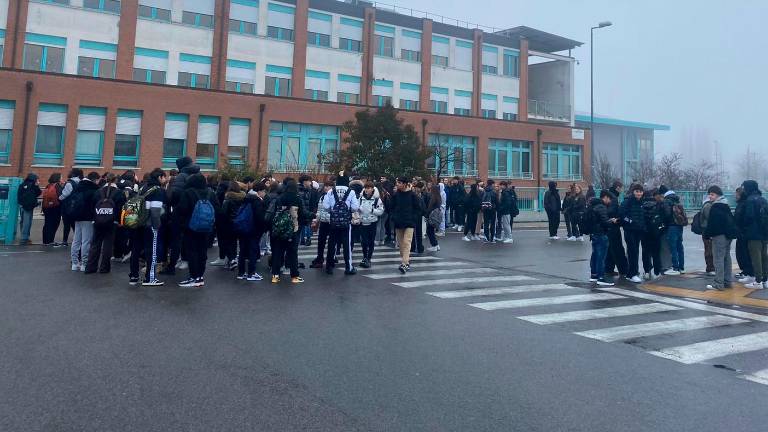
<point x="699" y="66"/>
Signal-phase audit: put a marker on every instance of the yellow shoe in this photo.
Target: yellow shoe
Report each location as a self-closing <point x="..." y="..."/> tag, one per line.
<point x="275" y="279"/>
<point x="297" y="280"/>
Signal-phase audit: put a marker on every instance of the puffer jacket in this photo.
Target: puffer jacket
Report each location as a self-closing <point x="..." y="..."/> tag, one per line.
<point x="232" y="203"/>
<point x="749" y="220"/>
<point x="632" y="215"/>
<point x="323" y="215"/>
<point x="371" y="208"/>
<point x="600" y="225"/>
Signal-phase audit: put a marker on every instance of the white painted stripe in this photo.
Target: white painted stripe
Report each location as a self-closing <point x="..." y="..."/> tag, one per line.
<point x="416" y="284"/>
<point x="582" y="315"/>
<point x="612" y="334"/>
<point x="760" y="377"/>
<point x="355" y="254"/>
<point x="544" y="301"/>
<point x="498" y="291"/>
<point x="397" y="259"/>
<point x="424" y="265"/>
<point x="430" y="273"/>
<point x="703" y="351"/>
<point x="688" y="304"/>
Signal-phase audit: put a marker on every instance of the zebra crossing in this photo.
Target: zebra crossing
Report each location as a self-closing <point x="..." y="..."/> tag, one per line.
<point x="610" y="315"/>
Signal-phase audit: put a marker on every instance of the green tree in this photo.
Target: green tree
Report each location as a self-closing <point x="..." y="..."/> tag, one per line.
<point x="378" y="143"/>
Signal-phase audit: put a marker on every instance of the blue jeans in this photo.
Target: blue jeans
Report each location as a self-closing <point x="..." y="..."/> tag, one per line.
<point x="599" y="252"/>
<point x="306" y="233"/>
<point x="675" y="240"/>
<point x="26" y="224"/>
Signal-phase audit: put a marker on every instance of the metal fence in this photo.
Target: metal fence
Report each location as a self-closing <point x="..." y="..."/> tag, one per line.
<point x="9" y="208"/>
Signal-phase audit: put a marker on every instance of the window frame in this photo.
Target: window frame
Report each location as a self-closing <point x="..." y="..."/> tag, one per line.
<point x="153" y="13"/>
<point x="281" y="33"/>
<point x="171" y="160"/>
<point x="349" y="45"/>
<point x="197" y="18"/>
<point x="315" y="94"/>
<point x="410" y="55"/>
<point x="452" y="143"/>
<point x="410" y="105"/>
<point x="101" y="7"/>
<point x="44" y="155"/>
<point x="379" y="42"/>
<point x="564" y="154"/>
<point x="435" y="105"/>
<point x="464" y="112"/>
<point x="242" y="27"/>
<point x="5" y="154"/>
<point x="511" y="68"/>
<point x="315" y="39"/>
<point x="43" y="57"/>
<point x="277" y="86"/>
<point x="133" y="161"/>
<point x="437" y="63"/>
<point x="304" y="134"/>
<point x="89" y="159"/>
<point x="490" y="70"/>
<point x="148" y="74"/>
<point x="346" y="96"/>
<point x="523" y="150"/>
<point x="193" y="81"/>
<point x="96" y="66"/>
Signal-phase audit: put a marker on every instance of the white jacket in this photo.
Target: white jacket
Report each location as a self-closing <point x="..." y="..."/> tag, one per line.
<point x="371" y="208"/>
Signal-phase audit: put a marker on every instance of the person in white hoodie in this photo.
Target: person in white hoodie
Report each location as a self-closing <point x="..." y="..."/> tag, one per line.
<point x="371" y="209"/>
<point x="341" y="224"/>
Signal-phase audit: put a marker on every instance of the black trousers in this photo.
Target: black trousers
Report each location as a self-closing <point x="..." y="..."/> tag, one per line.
<point x="459" y="215"/>
<point x="470" y="227"/>
<point x="431" y="235"/>
<point x="554" y="222"/>
<point x="323" y="231"/>
<point x="339" y="236"/>
<point x="417" y="245"/>
<point x="121" y="246"/>
<point x="616" y="257"/>
<point x="144" y="241"/>
<point x="249" y="251"/>
<point x="69" y="225"/>
<point x="651" y="253"/>
<point x="196" y="245"/>
<point x="227" y="242"/>
<point x="51" y="225"/>
<point x="368" y="239"/>
<point x="633" y="239"/>
<point x="489" y="224"/>
<point x="285" y="252"/>
<point x="743" y="258"/>
<point x="101" y="249"/>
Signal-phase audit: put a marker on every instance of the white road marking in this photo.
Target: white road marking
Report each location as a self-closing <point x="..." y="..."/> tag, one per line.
<point x="497" y="291"/>
<point x="431" y="273"/>
<point x="356" y="254"/>
<point x="703" y="351"/>
<point x="425" y="264"/>
<point x="416" y="284"/>
<point x="688" y="304"/>
<point x="545" y="301"/>
<point x="582" y="315"/>
<point x="397" y="259"/>
<point x="760" y="377"/>
<point x="612" y="334"/>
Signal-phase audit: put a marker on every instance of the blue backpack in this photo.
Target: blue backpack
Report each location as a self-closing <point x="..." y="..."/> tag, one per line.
<point x="243" y="221"/>
<point x="203" y="216"/>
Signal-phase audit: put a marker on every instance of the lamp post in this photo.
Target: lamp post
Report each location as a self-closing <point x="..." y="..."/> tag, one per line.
<point x="592" y="94"/>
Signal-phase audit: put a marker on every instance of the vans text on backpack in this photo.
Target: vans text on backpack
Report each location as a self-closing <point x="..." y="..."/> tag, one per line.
<point x="105" y="208"/>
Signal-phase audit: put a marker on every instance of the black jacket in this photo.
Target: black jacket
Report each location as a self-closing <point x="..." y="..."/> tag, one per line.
<point x="309" y="197"/>
<point x="191" y="195"/>
<point x="507" y="202"/>
<point x="721" y="221"/>
<point x="407" y="209"/>
<point x="472" y="202"/>
<point x="490" y="196"/>
<point x="177" y="184"/>
<point x="578" y="204"/>
<point x="88" y="190"/>
<point x="600" y="224"/>
<point x="552" y="200"/>
<point x="28" y="193"/>
<point x="257" y="205"/>
<point x="632" y="215"/>
<point x="749" y="221"/>
<point x="230" y="207"/>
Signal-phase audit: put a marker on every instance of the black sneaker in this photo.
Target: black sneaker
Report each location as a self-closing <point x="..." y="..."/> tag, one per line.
<point x="407" y="267"/>
<point x="350" y="272"/>
<point x="133" y="281"/>
<point x="365" y="264"/>
<point x="316" y="264"/>
<point x="187" y="283"/>
<point x="402" y="268"/>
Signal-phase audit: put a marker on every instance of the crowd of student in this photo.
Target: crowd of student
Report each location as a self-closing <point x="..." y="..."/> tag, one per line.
<point x="167" y="221"/>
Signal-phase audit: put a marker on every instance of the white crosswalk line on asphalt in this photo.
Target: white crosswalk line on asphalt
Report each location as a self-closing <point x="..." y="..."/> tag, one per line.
<point x="760" y="377"/>
<point x="703" y="351"/>
<point x="544" y="301"/>
<point x="431" y="273"/>
<point x="416" y="284"/>
<point x="397" y="259"/>
<point x="498" y="291"/>
<point x="582" y="315"/>
<point x="426" y="264"/>
<point x="613" y="334"/>
<point x="354" y="255"/>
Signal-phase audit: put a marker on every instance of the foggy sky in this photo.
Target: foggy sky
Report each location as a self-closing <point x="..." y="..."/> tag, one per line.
<point x="698" y="66"/>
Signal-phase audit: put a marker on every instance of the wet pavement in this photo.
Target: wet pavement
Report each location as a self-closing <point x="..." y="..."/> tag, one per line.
<point x="486" y="338"/>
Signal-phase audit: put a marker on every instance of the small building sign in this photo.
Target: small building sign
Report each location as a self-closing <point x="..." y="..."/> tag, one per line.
<point x="577" y="134"/>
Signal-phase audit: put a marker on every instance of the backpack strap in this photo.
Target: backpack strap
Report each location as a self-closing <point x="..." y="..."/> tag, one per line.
<point x="335" y="194"/>
<point x="346" y="194"/>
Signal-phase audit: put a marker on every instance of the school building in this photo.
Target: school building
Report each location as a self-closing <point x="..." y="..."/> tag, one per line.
<point x="110" y="85"/>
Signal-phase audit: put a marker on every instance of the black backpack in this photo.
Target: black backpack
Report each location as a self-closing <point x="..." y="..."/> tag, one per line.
<point x="696" y="227"/>
<point x="68" y="207"/>
<point x="341" y="215"/>
<point x="27" y="199"/>
<point x="104" y="214"/>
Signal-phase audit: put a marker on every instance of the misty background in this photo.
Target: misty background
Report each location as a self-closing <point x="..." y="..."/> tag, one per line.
<point x="698" y="66"/>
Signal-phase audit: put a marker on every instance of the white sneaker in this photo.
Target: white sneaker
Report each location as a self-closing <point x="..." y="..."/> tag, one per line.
<point x="126" y="257"/>
<point x="647" y="276"/>
<point x="604" y="283"/>
<point x="711" y="273"/>
<point x="441" y="234"/>
<point x="182" y="265"/>
<point x="82" y="267"/>
<point x="433" y="249"/>
<point x="571" y="238"/>
<point x="255" y="277"/>
<point x="636" y="279"/>
<point x="554" y="238"/>
<point x="746" y="280"/>
<point x="218" y="262"/>
<point x="466" y="238"/>
<point x="459" y="228"/>
<point x="509" y="240"/>
<point x="499" y="239"/>
<point x="75" y="267"/>
<point x="581" y="239"/>
<point x="593" y="279"/>
<point x="754" y="285"/>
<point x="477" y="238"/>
<point x="672" y="273"/>
<point x="682" y="271"/>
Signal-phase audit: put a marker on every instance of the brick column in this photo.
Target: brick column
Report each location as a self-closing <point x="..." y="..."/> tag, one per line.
<point x="483" y="141"/>
<point x="522" y="103"/>
<point x="301" y="20"/>
<point x="15" y="33"/>
<point x="108" y="150"/>
<point x="192" y="136"/>
<point x="126" y="45"/>
<point x="477" y="71"/>
<point x="152" y="137"/>
<point x="220" y="44"/>
<point x="366" y="81"/>
<point x="19" y="145"/>
<point x="70" y="136"/>
<point x="223" y="140"/>
<point x="426" y="64"/>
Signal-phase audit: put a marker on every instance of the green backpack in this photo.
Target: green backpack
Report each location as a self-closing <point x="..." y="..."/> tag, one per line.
<point x="135" y="213"/>
<point x="282" y="225"/>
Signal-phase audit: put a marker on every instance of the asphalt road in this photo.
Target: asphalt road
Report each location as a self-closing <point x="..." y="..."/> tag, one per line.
<point x="373" y="352"/>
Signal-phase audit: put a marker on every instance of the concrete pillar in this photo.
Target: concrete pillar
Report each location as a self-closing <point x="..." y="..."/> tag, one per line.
<point x="522" y="103"/>
<point x="477" y="71"/>
<point x="220" y="44"/>
<point x="426" y="64"/>
<point x="366" y="81"/>
<point x="301" y="21"/>
<point x="15" y="33"/>
<point x="126" y="45"/>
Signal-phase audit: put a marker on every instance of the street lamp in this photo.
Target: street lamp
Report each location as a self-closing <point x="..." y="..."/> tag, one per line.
<point x="592" y="93"/>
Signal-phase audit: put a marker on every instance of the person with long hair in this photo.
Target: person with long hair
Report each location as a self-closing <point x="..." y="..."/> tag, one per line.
<point x="472" y="204"/>
<point x="553" y="206"/>
<point x="435" y="203"/>
<point x="51" y="209"/>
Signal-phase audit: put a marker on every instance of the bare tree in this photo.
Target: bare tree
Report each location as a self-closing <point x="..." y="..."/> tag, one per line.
<point x="752" y="166"/>
<point x="604" y="173"/>
<point x="701" y="175"/>
<point x="669" y="171"/>
<point x="644" y="172"/>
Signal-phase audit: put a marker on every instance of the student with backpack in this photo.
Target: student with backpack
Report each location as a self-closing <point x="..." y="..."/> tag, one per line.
<point x="108" y="205"/>
<point x="82" y="212"/>
<point x="250" y="226"/>
<point x="754" y="224"/>
<point x="596" y="224"/>
<point x="721" y="230"/>
<point x="75" y="176"/>
<point x="126" y="184"/>
<point x="417" y="242"/>
<point x="142" y="216"/>
<point x="371" y="209"/>
<point x="489" y="205"/>
<point x="435" y="217"/>
<point x="230" y="207"/>
<point x="287" y="214"/>
<point x="51" y="209"/>
<point x="340" y="202"/>
<point x="675" y="219"/>
<point x="651" y="240"/>
<point x="27" y="199"/>
<point x="198" y="207"/>
<point x="323" y="223"/>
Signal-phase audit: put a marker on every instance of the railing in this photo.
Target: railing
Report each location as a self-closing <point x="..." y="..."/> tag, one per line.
<point x="298" y="168"/>
<point x="424" y="14"/>
<point x="564" y="177"/>
<point x="510" y="175"/>
<point x="545" y="110"/>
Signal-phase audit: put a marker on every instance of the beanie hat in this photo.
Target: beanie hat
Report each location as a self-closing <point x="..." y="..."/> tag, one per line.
<point x="342" y="180"/>
<point x="715" y="190"/>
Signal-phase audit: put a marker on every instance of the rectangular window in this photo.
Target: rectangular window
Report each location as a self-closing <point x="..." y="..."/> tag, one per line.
<point x="439" y="106"/>
<point x="244" y="27"/>
<point x="51" y="130"/>
<point x="440" y="60"/>
<point x="7" y="109"/>
<point x="280" y="33"/>
<point x="5" y="145"/>
<point x="350" y="45"/>
<point x="187" y="79"/>
<point x="490" y="69"/>
<point x="90" y="136"/>
<point x="127" y="138"/>
<point x="237" y="144"/>
<point x="175" y="138"/>
<point x="239" y="87"/>
<point x="95" y="67"/>
<point x="207" y="142"/>
<point x="384" y="46"/>
<point x="410" y="105"/>
<point x="297" y="147"/>
<point x="508" y="159"/>
<point x="488" y="113"/>
<point x="277" y="86"/>
<point x="462" y="111"/>
<point x="103" y="5"/>
<point x="453" y="155"/>
<point x="463" y="58"/>
<point x="414" y="56"/>
<point x="511" y="65"/>
<point x="316" y="94"/>
<point x="561" y="162"/>
<point x="348" y="98"/>
<point x="510" y="116"/>
<point x="43" y="58"/>
<point x="149" y="76"/>
<point x="381" y="101"/>
<point x="197" y="19"/>
<point x="155" y="13"/>
<point x="319" y="39"/>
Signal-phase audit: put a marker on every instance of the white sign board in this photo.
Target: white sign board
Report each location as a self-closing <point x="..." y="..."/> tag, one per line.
<point x="577" y="134"/>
